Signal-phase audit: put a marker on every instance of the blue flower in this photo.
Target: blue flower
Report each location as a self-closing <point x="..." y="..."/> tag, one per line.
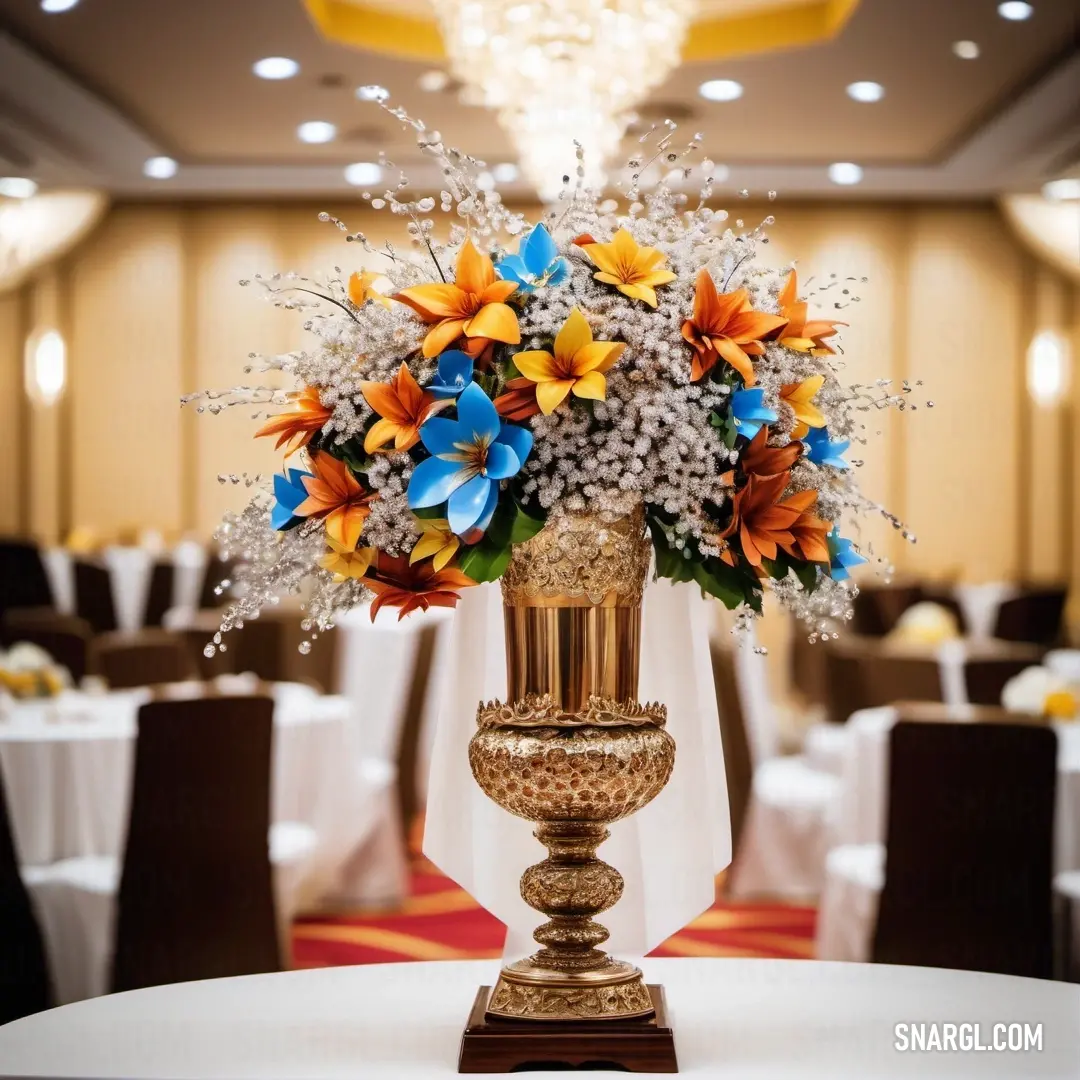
<point x="821" y="450"/>
<point x="470" y="455"/>
<point x="536" y="264"/>
<point x="843" y="556"/>
<point x="289" y="491"/>
<point x="748" y="407"/>
<point x="454" y="373"/>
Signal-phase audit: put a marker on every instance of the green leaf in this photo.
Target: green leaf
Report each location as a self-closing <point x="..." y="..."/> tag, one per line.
<point x="483" y="563"/>
<point x="524" y="526"/>
<point x="808" y="574"/>
<point x="430" y="513"/>
<point x="726" y="583"/>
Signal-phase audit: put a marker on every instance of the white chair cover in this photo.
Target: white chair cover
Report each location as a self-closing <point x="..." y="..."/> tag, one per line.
<point x="61" y="574"/>
<point x="668" y="853"/>
<point x="129" y="574"/>
<point x="980" y="605"/>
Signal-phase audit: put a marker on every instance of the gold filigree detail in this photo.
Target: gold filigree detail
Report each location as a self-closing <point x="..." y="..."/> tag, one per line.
<point x="579" y="557"/>
<point x="570" y="1003"/>
<point x="540" y="711"/>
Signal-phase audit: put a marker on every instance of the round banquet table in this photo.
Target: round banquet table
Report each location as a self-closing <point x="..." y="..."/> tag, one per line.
<point x="733" y="1019"/>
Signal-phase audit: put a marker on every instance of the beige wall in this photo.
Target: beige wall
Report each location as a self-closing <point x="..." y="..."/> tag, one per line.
<point x="151" y="307"/>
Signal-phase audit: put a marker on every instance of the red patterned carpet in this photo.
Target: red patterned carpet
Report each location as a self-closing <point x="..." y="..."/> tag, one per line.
<point x="439" y="921"/>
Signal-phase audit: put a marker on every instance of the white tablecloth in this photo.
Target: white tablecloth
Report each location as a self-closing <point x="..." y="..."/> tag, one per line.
<point x="863" y="803"/>
<point x="668" y="853"/>
<point x="733" y="1020"/>
<point x="68" y="763"/>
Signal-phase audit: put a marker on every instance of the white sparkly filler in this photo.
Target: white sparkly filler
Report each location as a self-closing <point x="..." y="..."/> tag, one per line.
<point x="650" y="440"/>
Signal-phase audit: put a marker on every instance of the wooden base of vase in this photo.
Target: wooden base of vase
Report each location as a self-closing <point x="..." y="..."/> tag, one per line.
<point x="498" y="1045"/>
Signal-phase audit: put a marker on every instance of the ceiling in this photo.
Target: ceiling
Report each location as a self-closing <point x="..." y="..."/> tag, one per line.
<point x="87" y="95"/>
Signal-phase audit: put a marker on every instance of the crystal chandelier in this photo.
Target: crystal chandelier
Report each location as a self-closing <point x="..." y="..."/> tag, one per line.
<point x="560" y="70"/>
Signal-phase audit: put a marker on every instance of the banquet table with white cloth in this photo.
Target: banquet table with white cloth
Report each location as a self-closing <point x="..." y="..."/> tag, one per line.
<point x="733" y="1019"/>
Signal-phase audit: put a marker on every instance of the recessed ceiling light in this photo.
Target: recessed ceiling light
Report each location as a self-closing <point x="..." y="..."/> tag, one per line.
<point x="721" y="90"/>
<point x="433" y="81"/>
<point x="54" y="7"/>
<point x="966" y="50"/>
<point x="1066" y="189"/>
<point x="845" y="172"/>
<point x="275" y="67"/>
<point x="865" y="91"/>
<point x="361" y="173"/>
<point x="505" y="173"/>
<point x="17" y="187"/>
<point x="316" y="131"/>
<point x="1016" y="10"/>
<point x="160" y="168"/>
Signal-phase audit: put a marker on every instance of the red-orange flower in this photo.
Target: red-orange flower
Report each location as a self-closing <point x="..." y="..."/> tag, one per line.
<point x="802" y="334"/>
<point x="725" y="325"/>
<point x="472" y="305"/>
<point x="762" y="521"/>
<point x="402" y="406"/>
<point x="519" y="402"/>
<point x="335" y="495"/>
<point x="414" y="587"/>
<point x="810" y="532"/>
<point x="765" y="460"/>
<point x="300" y="424"/>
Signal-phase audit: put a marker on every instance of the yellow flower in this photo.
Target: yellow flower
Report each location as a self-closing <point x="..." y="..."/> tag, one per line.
<point x="344" y="563"/>
<point x="633" y="270"/>
<point x="1061" y="705"/>
<point x="800" y="397"/>
<point x="578" y="365"/>
<point x="362" y="287"/>
<point x="437" y="541"/>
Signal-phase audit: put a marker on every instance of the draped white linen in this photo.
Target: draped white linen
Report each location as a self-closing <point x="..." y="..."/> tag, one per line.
<point x="668" y="853"/>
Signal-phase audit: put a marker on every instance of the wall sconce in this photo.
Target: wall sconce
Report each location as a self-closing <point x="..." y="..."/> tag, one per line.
<point x="46" y="367"/>
<point x="1048" y="368"/>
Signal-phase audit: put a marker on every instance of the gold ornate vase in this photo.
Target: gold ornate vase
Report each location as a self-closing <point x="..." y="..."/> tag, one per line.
<point x="573" y="750"/>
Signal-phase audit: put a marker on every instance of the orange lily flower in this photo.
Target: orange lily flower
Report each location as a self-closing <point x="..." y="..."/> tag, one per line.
<point x="402" y="406"/>
<point x="801" y="334"/>
<point x="335" y="495"/>
<point x="577" y="366"/>
<point x="412" y="587"/>
<point x="810" y="532"/>
<point x="725" y="325"/>
<point x="519" y="402"/>
<point x="345" y="563"/>
<point x="301" y="424"/>
<point x="362" y="287"/>
<point x="472" y="305"/>
<point x="765" y="460"/>
<point x="633" y="270"/>
<point x="800" y="396"/>
<point x="762" y="521"/>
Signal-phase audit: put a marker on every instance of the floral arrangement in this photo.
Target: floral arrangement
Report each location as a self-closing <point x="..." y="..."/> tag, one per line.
<point x="1043" y="692"/>
<point x="611" y="354"/>
<point x="28" y="671"/>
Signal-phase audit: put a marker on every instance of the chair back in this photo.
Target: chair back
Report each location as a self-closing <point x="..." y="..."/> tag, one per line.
<point x="845" y="692"/>
<point x="66" y="638"/>
<point x="24" y="978"/>
<point x="878" y="608"/>
<point x="889" y="677"/>
<point x="986" y="677"/>
<point x="969" y="848"/>
<point x="93" y="596"/>
<point x="196" y="894"/>
<point x="141" y="658"/>
<point x="23" y="581"/>
<point x="217" y="571"/>
<point x="159" y="594"/>
<point x="734" y="737"/>
<point x="1035" y="616"/>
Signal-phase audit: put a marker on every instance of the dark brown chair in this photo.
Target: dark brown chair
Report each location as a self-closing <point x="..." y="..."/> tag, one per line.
<point x="159" y="595"/>
<point x="93" y="596"/>
<point x="218" y="571"/>
<point x="878" y="608"/>
<point x="986" y="678"/>
<point x="969" y="848"/>
<point x="808" y="667"/>
<point x="23" y="581"/>
<point x="845" y="691"/>
<point x="141" y="658"/>
<point x="1035" y="616"/>
<point x="24" y="977"/>
<point x="889" y="677"/>
<point x="738" y="764"/>
<point x="269" y="647"/>
<point x="66" y="638"/>
<point x="196" y="896"/>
